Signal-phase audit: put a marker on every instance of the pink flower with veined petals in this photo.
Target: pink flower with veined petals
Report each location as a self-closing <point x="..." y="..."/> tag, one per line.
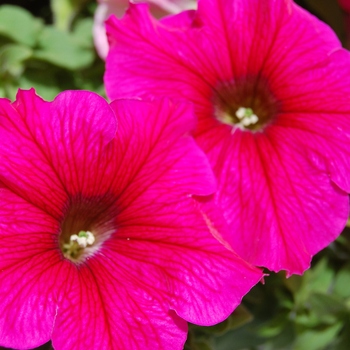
<point x="107" y="239"/>
<point x="159" y="8"/>
<point x="270" y="85"/>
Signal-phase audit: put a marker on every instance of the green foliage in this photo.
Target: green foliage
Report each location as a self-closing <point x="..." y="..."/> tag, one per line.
<point x="64" y="12"/>
<point x="12" y="57"/>
<point x="82" y="32"/>
<point x="317" y="339"/>
<point x="62" y="49"/>
<point x="45" y="57"/>
<point x="19" y="25"/>
<point x="342" y="282"/>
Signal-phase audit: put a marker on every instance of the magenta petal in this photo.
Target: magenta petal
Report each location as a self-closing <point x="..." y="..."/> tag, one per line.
<point x="159" y="8"/>
<point x="183" y="20"/>
<point x="280" y="189"/>
<point x="61" y="140"/>
<point x="139" y="33"/>
<point x="122" y="313"/>
<point x="317" y="112"/>
<point x="182" y="258"/>
<point x="157" y="138"/>
<point x="30" y="272"/>
<point x="283" y="191"/>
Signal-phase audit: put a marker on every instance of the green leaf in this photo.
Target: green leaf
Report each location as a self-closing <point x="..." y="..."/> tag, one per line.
<point x="62" y="49"/>
<point x="83" y="32"/>
<point x="11" y="59"/>
<point x="344" y="339"/>
<point x="342" y="282"/>
<point x="307" y="319"/>
<point x="203" y="346"/>
<point x="19" y="25"/>
<point x="64" y="12"/>
<point x="238" y="318"/>
<point x="327" y="308"/>
<point x="317" y="339"/>
<point x="10" y="89"/>
<point x="274" y="326"/>
<point x="241" y="338"/>
<point x="293" y="283"/>
<point x="44" y="83"/>
<point x="284" y="340"/>
<point x="2" y="91"/>
<point x="318" y="279"/>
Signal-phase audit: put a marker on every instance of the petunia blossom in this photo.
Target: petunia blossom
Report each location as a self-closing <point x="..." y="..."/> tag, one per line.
<point x="108" y="239"/>
<point x="159" y="8"/>
<point x="270" y="86"/>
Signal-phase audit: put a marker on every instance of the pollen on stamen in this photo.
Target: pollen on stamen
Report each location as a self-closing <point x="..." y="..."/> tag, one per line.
<point x="77" y="244"/>
<point x="83" y="238"/>
<point x="246" y="117"/>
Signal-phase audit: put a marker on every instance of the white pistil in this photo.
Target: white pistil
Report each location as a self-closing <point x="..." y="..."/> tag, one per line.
<point x="246" y="117"/>
<point x="83" y="239"/>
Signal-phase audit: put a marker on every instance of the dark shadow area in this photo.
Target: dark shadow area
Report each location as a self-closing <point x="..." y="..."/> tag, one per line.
<point x="46" y="346"/>
<point x="39" y="8"/>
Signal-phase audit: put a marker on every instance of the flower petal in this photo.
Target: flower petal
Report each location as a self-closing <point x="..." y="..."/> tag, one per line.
<point x="157" y="159"/>
<point x="317" y="111"/>
<point x="139" y="33"/>
<point x="30" y="271"/>
<point x="62" y="140"/>
<point x="113" y="314"/>
<point x="202" y="278"/>
<point x="275" y="186"/>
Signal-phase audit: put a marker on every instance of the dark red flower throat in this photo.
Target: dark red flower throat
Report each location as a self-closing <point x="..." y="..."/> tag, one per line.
<point x="247" y="103"/>
<point x="87" y="223"/>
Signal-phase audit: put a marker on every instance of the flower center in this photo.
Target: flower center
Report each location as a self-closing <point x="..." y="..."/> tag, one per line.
<point x="246" y="117"/>
<point x="247" y="104"/>
<point x="86" y="225"/>
<point x="73" y="249"/>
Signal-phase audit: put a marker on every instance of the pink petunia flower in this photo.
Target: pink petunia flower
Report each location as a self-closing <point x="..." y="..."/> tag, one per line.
<point x="107" y="240"/>
<point x="159" y="8"/>
<point x="270" y="86"/>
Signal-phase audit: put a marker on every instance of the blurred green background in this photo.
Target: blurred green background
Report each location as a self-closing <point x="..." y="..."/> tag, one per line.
<point x="49" y="50"/>
<point x="48" y="45"/>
